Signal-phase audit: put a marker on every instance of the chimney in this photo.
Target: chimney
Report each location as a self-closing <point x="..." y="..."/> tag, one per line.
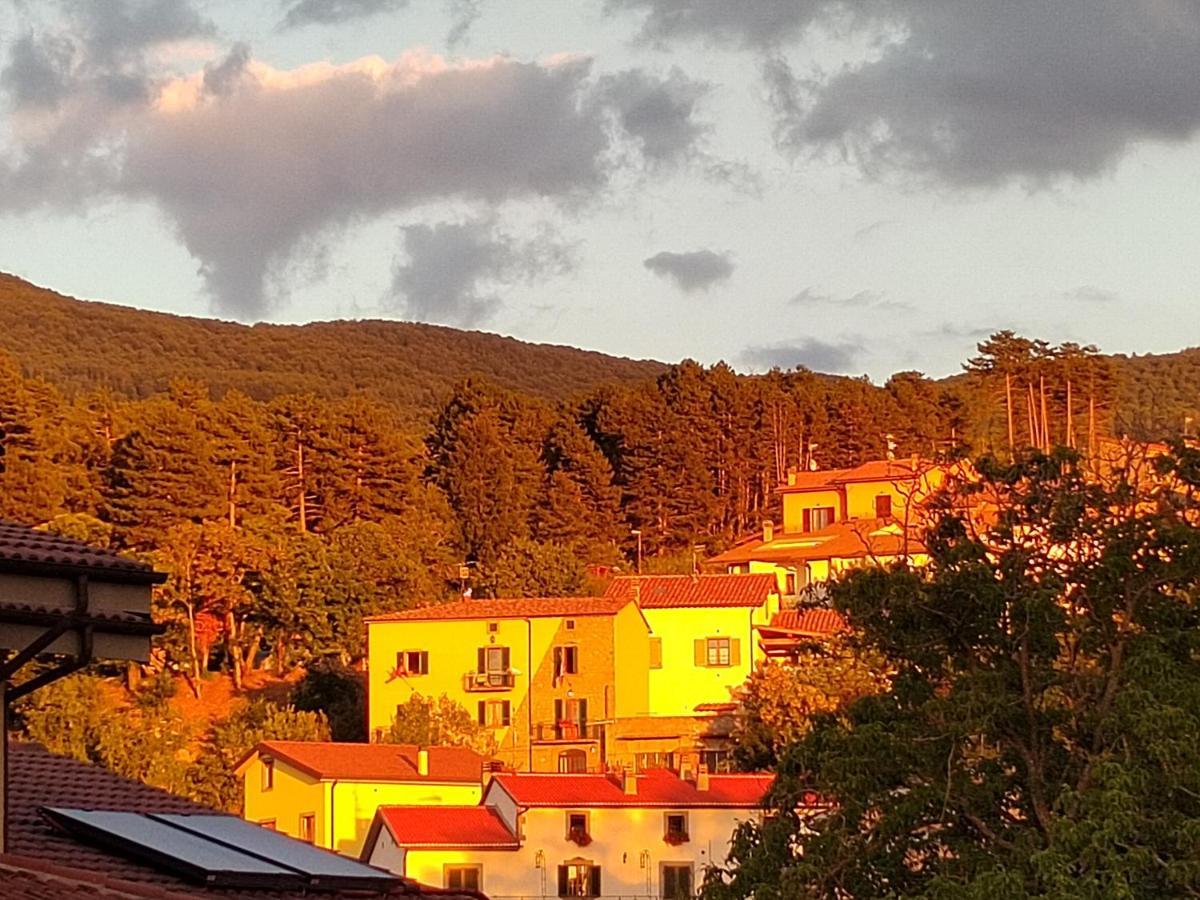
<point x="702" y="778"/>
<point x="629" y="782"/>
<point x="791" y="477"/>
<point x="768" y="531"/>
<point x="422" y="761"/>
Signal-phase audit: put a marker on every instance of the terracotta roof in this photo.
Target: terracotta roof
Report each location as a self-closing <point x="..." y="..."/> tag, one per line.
<point x="31" y="879"/>
<point x="27" y="550"/>
<point x="374" y="762"/>
<point x="672" y="591"/>
<point x="657" y="787"/>
<point x="477" y="827"/>
<point x="519" y="608"/>
<point x="818" y="480"/>
<point x="856" y="539"/>
<point x="817" y="621"/>
<point x="39" y="778"/>
<point x="872" y="470"/>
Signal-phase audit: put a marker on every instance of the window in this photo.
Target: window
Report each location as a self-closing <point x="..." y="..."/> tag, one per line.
<point x="268" y="824"/>
<point x="412" y="662"/>
<point x="578" y="879"/>
<point x="492" y="667"/>
<point x="493" y="627"/>
<point x="717" y="760"/>
<point x="570" y="718"/>
<point x="308" y="827"/>
<point x="566" y="660"/>
<point x="495" y="713"/>
<point x="268" y="773"/>
<point x="463" y="878"/>
<point x="789" y="584"/>
<point x="676" y="881"/>
<point x="570" y="624"/>
<point x="572" y="761"/>
<point x="655" y="653"/>
<point x="718" y="652"/>
<point x="817" y="518"/>
<point x="883" y="506"/>
<point x="675" y="830"/>
<point x="657" y="760"/>
<point x="577" y="828"/>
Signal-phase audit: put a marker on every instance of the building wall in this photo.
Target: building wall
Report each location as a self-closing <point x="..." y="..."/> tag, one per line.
<point x="294" y="793"/>
<point x="680" y="685"/>
<point x="794" y="504"/>
<point x="627" y="844"/>
<point x="354" y="804"/>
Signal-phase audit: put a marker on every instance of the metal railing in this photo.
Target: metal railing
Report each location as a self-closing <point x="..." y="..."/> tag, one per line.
<point x="489" y="681"/>
<point x="567" y="731"/>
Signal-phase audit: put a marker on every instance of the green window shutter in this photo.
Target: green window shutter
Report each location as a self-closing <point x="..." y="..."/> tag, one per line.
<point x="504" y="658"/>
<point x="656" y="653"/>
<point x="701" y="647"/>
<point x="735" y="652"/>
<point x="807" y="523"/>
<point x="594" y="872"/>
<point x="506" y="712"/>
<point x="482" y="712"/>
<point x="481" y="660"/>
<point x="582" y="714"/>
<point x="558" y="711"/>
<point x="424" y="662"/>
<point x="562" y="881"/>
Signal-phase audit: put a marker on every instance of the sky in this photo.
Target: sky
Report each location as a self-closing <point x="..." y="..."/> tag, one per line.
<point x="857" y="187"/>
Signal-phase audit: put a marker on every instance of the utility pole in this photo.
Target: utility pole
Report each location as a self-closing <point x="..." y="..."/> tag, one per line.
<point x="637" y="532"/>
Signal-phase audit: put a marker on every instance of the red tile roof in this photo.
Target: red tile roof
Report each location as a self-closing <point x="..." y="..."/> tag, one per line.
<point x="476" y="827"/>
<point x="519" y="608"/>
<point x="22" y="878"/>
<point x="657" y="787"/>
<point x="672" y="591"/>
<point x="857" y="539"/>
<point x="813" y="620"/>
<point x="374" y="762"/>
<point x="39" y="778"/>
<point x="819" y="480"/>
<point x="27" y="550"/>
<point x="872" y="470"/>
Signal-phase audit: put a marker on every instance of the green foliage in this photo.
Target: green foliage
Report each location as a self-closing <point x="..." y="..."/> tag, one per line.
<point x="213" y="780"/>
<point x="428" y="721"/>
<point x="526" y="568"/>
<point x="338" y="693"/>
<point x="1041" y="735"/>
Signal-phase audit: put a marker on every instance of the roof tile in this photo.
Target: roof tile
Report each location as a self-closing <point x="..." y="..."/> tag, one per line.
<point x="656" y="787"/>
<point x="448" y="826"/>
<point x="515" y="608"/>
<point x="376" y="762"/>
<point x="674" y="591"/>
<point x="27" y="549"/>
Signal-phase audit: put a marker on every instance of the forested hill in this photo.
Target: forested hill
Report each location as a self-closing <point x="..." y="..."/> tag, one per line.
<point x="79" y="345"/>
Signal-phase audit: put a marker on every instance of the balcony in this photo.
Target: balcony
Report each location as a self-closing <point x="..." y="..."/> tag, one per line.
<point x="567" y="732"/>
<point x="489" y="681"/>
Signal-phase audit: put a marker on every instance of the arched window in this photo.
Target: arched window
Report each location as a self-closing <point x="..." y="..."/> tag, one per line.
<point x="572" y="761"/>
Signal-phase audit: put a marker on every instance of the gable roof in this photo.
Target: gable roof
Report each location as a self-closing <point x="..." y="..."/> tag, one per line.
<point x="832" y="479"/>
<point x="38" y="778"/>
<point x="856" y="539"/>
<point x="656" y="787"/>
<point x="26" y="550"/>
<point x="677" y="591"/>
<point x="373" y="762"/>
<point x="474" y="827"/>
<point x="815" y="621"/>
<point x="30" y="879"/>
<point x="515" y="608"/>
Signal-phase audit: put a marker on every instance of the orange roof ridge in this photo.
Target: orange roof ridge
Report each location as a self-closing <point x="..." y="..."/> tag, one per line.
<point x="508" y="608"/>
<point x="706" y="590"/>
<point x="373" y="762"/>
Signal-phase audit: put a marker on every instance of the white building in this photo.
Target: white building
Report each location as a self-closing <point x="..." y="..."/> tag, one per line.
<point x="552" y="835"/>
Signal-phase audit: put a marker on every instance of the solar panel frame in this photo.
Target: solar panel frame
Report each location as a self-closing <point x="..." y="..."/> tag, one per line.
<point x="322" y="867"/>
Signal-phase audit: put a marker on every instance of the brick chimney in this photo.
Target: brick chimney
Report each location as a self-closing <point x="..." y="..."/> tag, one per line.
<point x="629" y="782"/>
<point x="702" y="783"/>
<point x="422" y="761"/>
<point x="768" y="531"/>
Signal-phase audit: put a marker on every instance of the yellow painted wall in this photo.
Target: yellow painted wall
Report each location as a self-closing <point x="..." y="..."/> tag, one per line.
<point x="680" y="685"/>
<point x="354" y="805"/>
<point x="631" y="662"/>
<point x="795" y="503"/>
<point x="294" y="794"/>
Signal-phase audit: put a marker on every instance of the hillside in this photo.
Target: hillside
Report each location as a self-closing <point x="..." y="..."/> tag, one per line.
<point x="82" y="345"/>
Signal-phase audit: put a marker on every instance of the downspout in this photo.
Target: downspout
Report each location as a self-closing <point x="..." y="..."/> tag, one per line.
<point x="332" y="821"/>
<point x="529" y="693"/>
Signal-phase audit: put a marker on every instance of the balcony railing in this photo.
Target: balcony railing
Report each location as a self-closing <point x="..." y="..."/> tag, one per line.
<point x="489" y="681"/>
<point x="567" y="731"/>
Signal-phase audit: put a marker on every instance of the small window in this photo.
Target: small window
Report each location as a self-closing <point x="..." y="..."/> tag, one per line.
<point x="463" y="878"/>
<point x="572" y="762"/>
<point x="268" y="824"/>
<point x="566" y="660"/>
<point x="577" y="828"/>
<point x="493" y="627"/>
<point x="643" y="762"/>
<point x="578" y="880"/>
<point x="675" y="828"/>
<point x="570" y="624"/>
<point x="717" y="760"/>
<point x="883" y="506"/>
<point x="656" y="653"/>
<point x="817" y="518"/>
<point x="268" y="773"/>
<point x="676" y="881"/>
<point x="495" y="713"/>
<point x="717" y="651"/>
<point x="412" y="662"/>
<point x="308" y="828"/>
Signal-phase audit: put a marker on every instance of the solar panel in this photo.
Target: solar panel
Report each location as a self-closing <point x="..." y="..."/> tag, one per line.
<point x="221" y="851"/>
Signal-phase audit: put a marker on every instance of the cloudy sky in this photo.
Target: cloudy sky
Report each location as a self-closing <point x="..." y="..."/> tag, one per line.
<point x="858" y="187"/>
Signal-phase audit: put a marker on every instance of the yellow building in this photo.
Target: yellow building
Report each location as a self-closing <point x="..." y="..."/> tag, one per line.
<point x="327" y="793"/>
<point x="837" y="519"/>
<point x="547" y="675"/>
<point x="548" y="835"/>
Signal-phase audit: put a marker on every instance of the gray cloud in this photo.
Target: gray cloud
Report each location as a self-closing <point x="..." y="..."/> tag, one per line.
<point x="874" y="300"/>
<point x="463" y="14"/>
<point x="453" y="269"/>
<point x="818" y="355"/>
<point x="659" y="113"/>
<point x="221" y="78"/>
<point x="696" y="270"/>
<point x="38" y="71"/>
<point x="332" y="12"/>
<point x="748" y="22"/>
<point x="1089" y="293"/>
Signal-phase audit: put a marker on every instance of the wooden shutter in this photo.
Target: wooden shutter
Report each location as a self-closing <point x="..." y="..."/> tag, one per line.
<point x="424" y="662"/>
<point x="558" y="662"/>
<point x="807" y="526"/>
<point x="482" y="712"/>
<point x="656" y="653"/>
<point x="504" y="658"/>
<point x="701" y="648"/>
<point x="506" y="713"/>
<point x="669" y="889"/>
<point x="558" y="711"/>
<point x="400" y="662"/>
<point x="481" y="660"/>
<point x="562" y="881"/>
<point x="735" y="651"/>
<point x="582" y="716"/>
<point x="594" y="874"/>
